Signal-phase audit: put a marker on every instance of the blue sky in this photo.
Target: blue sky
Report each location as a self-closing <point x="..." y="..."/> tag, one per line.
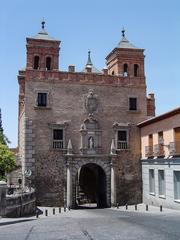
<point x="96" y="25"/>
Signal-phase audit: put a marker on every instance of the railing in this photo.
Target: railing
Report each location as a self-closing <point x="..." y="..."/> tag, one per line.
<point x="174" y="148"/>
<point x="158" y="150"/>
<point x="149" y="151"/>
<point x="121" y="145"/>
<point x="58" y="144"/>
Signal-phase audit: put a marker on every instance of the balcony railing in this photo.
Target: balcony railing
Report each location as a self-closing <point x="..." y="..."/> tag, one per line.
<point x="122" y="145"/>
<point x="174" y="148"/>
<point x="149" y="151"/>
<point x="58" y="144"/>
<point x="158" y="150"/>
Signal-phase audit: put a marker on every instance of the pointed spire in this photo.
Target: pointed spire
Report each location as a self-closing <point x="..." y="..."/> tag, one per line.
<point x="69" y="148"/>
<point x="113" y="148"/>
<point x="89" y="67"/>
<point x="89" y="62"/>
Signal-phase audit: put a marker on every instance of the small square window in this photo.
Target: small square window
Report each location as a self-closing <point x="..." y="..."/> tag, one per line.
<point x="42" y="99"/>
<point x="132" y="103"/>
<point x="122" y="135"/>
<point x="58" y="134"/>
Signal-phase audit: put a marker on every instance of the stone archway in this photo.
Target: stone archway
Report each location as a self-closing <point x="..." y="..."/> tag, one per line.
<point x="91" y="186"/>
<point x="74" y="166"/>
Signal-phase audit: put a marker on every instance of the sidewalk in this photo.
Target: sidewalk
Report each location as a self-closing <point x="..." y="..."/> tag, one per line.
<point x="141" y="208"/>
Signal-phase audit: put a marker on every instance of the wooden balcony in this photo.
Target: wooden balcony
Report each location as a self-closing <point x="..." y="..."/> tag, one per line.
<point x="148" y="151"/>
<point x="158" y="150"/>
<point x="174" y="148"/>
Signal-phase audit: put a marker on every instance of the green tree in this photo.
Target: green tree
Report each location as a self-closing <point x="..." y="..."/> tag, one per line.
<point x="3" y="139"/>
<point x="7" y="161"/>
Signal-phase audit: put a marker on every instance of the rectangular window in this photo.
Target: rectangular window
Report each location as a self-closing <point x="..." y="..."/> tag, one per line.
<point x="132" y="103"/>
<point x="42" y="99"/>
<point x="177" y="185"/>
<point x="151" y="181"/>
<point x="161" y="182"/>
<point x="122" y="142"/>
<point x="58" y="139"/>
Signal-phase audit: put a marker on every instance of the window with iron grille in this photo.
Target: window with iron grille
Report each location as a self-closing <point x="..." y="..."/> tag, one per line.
<point x="58" y="138"/>
<point x="42" y="99"/>
<point x="122" y="139"/>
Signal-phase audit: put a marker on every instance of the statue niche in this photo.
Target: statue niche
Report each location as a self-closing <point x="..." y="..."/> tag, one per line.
<point x="90" y="136"/>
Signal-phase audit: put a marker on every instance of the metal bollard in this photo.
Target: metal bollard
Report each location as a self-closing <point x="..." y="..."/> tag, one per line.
<point x="54" y="211"/>
<point x="117" y="205"/>
<point x="135" y="207"/>
<point x="46" y="212"/>
<point x="160" y="208"/>
<point x="59" y="210"/>
<point x="126" y="206"/>
<point x="146" y="207"/>
<point x="37" y="213"/>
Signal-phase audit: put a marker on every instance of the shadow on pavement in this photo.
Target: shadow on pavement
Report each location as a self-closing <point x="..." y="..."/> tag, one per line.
<point x="15" y="221"/>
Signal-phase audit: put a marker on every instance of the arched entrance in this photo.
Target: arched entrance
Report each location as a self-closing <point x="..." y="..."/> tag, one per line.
<point x="91" y="186"/>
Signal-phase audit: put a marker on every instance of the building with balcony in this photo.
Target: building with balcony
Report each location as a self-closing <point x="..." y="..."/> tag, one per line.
<point x="78" y="133"/>
<point x="160" y="149"/>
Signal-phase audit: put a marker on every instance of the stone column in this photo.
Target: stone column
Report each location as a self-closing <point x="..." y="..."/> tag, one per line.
<point x="69" y="186"/>
<point x="3" y="189"/>
<point x="113" y="187"/>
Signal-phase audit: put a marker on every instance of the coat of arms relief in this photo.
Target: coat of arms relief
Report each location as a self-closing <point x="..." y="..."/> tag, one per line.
<point x="91" y="102"/>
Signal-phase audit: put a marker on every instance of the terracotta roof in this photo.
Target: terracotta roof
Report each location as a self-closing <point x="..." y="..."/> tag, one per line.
<point x="160" y="117"/>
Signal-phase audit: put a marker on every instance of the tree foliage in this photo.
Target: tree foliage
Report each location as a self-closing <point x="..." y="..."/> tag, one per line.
<point x="3" y="139"/>
<point x="7" y="160"/>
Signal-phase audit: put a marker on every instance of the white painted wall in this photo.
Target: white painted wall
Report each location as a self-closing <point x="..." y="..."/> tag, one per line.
<point x="156" y="200"/>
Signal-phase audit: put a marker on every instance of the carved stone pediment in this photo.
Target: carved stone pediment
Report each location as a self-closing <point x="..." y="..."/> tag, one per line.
<point x="120" y="125"/>
<point x="62" y="124"/>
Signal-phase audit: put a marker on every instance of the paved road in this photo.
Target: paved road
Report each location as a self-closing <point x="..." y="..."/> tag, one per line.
<point x="93" y="224"/>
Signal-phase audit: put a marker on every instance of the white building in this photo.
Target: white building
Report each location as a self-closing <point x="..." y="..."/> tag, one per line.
<point x="160" y="144"/>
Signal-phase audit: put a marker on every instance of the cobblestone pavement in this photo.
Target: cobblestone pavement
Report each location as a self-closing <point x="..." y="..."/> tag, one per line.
<point x="95" y="224"/>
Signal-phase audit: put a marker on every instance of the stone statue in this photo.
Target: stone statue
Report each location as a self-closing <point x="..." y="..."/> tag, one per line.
<point x="91" y="142"/>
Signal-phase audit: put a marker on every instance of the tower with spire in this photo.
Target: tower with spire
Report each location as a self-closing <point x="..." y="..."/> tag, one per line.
<point x="89" y="67"/>
<point x="42" y="51"/>
<point x="126" y="59"/>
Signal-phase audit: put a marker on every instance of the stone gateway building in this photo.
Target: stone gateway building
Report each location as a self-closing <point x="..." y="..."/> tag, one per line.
<point x="78" y="132"/>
